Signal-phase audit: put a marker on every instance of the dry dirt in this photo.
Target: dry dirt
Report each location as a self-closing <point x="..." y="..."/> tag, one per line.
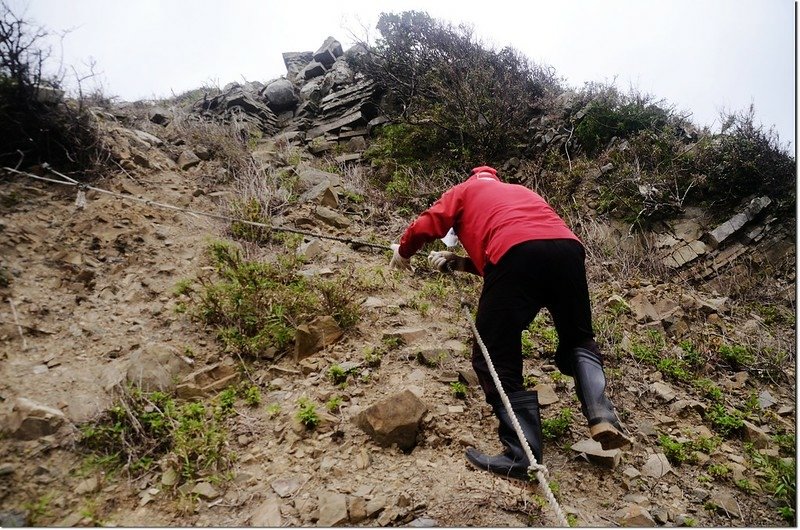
<point x="92" y="286"/>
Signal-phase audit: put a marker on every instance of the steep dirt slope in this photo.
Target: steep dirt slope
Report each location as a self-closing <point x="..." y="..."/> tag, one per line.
<point x="93" y="288"/>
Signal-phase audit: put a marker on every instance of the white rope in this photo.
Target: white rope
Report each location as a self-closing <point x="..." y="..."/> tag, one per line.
<point x="80" y="202"/>
<point x="542" y="475"/>
<point x="540" y="469"/>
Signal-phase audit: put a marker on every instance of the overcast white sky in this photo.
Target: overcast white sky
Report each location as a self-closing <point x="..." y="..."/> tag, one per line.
<point x="701" y="56"/>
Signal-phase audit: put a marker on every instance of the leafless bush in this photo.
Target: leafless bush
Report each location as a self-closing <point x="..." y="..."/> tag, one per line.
<point x="222" y="140"/>
<point x="39" y="123"/>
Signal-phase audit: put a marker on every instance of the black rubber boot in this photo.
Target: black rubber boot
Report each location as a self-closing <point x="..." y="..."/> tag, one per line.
<point x="590" y="385"/>
<point x="512" y="462"/>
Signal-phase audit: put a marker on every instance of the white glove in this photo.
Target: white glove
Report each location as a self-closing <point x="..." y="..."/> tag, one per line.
<point x="440" y="259"/>
<point x="398" y="261"/>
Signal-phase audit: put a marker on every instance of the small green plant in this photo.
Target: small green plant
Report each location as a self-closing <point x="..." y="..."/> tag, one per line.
<point x="337" y="374"/>
<point x="334" y="404"/>
<point x="273" y="409"/>
<point x="555" y="428"/>
<point x="529" y="381"/>
<point x="372" y="357"/>
<point x="676" y="452"/>
<point x="723" y="421"/>
<point x="572" y="520"/>
<point x="458" y="389"/>
<point x="307" y="413"/>
<point x="392" y="342"/>
<point x="709" y="389"/>
<point x="745" y="485"/>
<point x="780" y="480"/>
<point x="718" y="470"/>
<point x="183" y="286"/>
<point x="38" y="509"/>
<point x="251" y="395"/>
<point x="736" y="356"/>
<point x="528" y="347"/>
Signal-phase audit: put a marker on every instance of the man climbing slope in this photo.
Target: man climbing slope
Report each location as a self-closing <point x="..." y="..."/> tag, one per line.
<point x="529" y="259"/>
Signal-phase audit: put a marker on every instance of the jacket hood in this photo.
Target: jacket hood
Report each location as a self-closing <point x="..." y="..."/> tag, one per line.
<point x="483" y="172"/>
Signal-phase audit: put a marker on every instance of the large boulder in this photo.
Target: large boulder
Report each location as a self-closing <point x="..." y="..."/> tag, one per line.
<point x="394" y="420"/>
<point x="280" y="95"/>
<point x="330" y="50"/>
<point x="296" y="61"/>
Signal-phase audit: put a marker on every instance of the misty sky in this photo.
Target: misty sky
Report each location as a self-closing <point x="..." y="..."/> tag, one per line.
<point x="701" y="56"/>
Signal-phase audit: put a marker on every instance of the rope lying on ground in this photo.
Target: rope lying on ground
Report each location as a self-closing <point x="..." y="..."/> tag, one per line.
<point x="540" y="469"/>
<point x="83" y="187"/>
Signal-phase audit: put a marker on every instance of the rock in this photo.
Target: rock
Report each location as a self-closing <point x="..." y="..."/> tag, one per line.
<point x="330" y="50"/>
<point x="280" y="95"/>
<point x="433" y="356"/>
<point x="267" y="514"/>
<point x="393" y="420"/>
<point x="331" y="217"/>
<point x="312" y="70"/>
<point x="685" y="406"/>
<point x="154" y="367"/>
<point x="468" y="377"/>
<point x="310" y="249"/>
<point x="660" y="515"/>
<point x="765" y="400"/>
<point x="205" y="490"/>
<point x="656" y="466"/>
<point x="617" y="304"/>
<point x="357" y="509"/>
<point x="547" y="394"/>
<point x="595" y="453"/>
<point x="317" y="334"/>
<point x="169" y="477"/>
<point x="423" y="522"/>
<point x="756" y="436"/>
<point x="89" y="485"/>
<point x="332" y="509"/>
<point x="207" y="380"/>
<point x="296" y="61"/>
<point x="643" y="310"/>
<point x="730" y="227"/>
<point x="7" y="468"/>
<point x="160" y="116"/>
<point x="636" y="516"/>
<point x="404" y="335"/>
<point x="663" y="391"/>
<point x="14" y="519"/>
<point x="29" y="420"/>
<point x="70" y="520"/>
<point x="285" y="487"/>
<point x="187" y="159"/>
<point x="308" y="177"/>
<point x="322" y="193"/>
<point x="373" y="302"/>
<point x="725" y="503"/>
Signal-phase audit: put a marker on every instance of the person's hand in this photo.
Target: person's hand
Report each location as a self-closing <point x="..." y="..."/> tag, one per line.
<point x="398" y="261"/>
<point x="440" y="260"/>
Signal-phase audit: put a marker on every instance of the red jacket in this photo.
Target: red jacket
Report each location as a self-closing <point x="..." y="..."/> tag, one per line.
<point x="489" y="217"/>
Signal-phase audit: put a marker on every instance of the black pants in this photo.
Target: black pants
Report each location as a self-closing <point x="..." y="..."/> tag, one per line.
<point x="530" y="276"/>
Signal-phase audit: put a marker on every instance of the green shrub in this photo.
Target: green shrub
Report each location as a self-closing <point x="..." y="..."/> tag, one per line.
<point x="141" y="427"/>
<point x="254" y="305"/>
<point x="736" y="356"/>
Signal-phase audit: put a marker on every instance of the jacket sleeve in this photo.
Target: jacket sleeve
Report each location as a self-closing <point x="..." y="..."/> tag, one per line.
<point x="433" y="223"/>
